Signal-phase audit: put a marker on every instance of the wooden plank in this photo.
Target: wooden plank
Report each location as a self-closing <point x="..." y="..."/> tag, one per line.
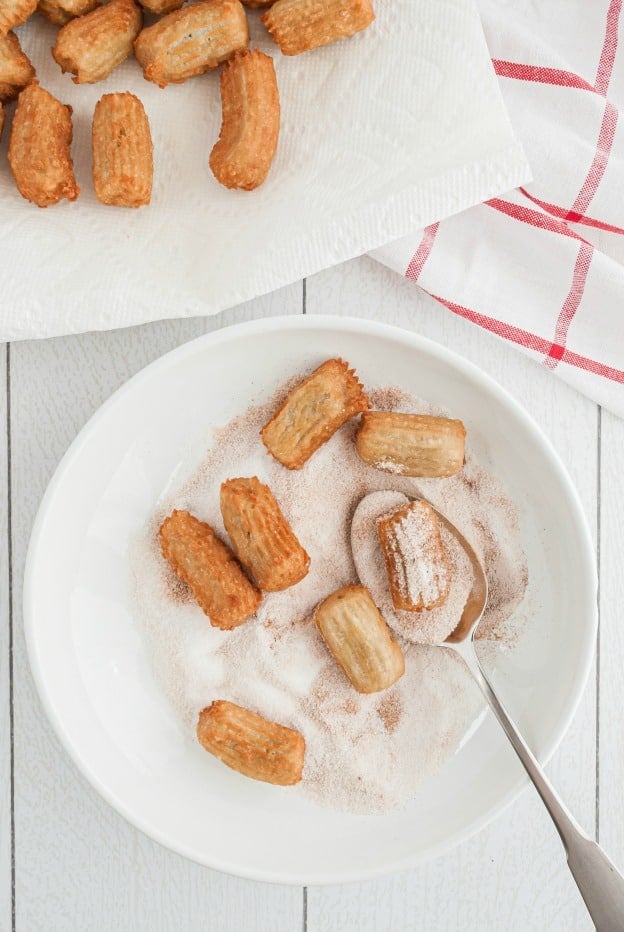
<point x="5" y="663"/>
<point x="513" y="875"/>
<point x="611" y="745"/>
<point x="80" y="865"/>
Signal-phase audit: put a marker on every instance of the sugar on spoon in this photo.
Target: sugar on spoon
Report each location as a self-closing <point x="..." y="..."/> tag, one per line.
<point x="599" y="882"/>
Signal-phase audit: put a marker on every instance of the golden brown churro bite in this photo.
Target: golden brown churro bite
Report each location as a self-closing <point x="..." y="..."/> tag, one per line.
<point x="16" y="71"/>
<point x="60" y="12"/>
<point x="411" y="444"/>
<point x="123" y="165"/>
<point x="359" y="639"/>
<point x="261" y="536"/>
<point x="242" y="156"/>
<point x="300" y="25"/>
<point x="54" y="13"/>
<point x="209" y="569"/>
<point x="161" y="7"/>
<point x="251" y="744"/>
<point x="312" y="412"/>
<point x="91" y="46"/>
<point x="15" y="12"/>
<point x="39" y="148"/>
<point x="416" y="562"/>
<point x="192" y="40"/>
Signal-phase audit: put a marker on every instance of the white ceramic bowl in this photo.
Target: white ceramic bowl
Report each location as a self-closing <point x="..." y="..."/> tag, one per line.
<point x="92" y="671"/>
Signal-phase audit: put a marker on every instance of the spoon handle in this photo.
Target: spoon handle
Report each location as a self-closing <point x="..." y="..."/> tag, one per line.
<point x="599" y="882"/>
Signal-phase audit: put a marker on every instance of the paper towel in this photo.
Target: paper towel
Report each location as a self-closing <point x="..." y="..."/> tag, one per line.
<point x="381" y="134"/>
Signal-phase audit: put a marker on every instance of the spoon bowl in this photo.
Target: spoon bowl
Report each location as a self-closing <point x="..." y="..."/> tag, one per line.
<point x="598" y="880"/>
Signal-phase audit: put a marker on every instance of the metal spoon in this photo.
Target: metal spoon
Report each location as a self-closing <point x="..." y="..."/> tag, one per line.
<point x="599" y="882"/>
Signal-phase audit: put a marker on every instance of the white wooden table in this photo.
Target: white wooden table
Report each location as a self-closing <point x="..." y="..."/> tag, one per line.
<point x="69" y="862"/>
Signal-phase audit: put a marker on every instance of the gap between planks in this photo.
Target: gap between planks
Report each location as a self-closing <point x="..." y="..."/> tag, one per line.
<point x="10" y="595"/>
<point x="598" y="572"/>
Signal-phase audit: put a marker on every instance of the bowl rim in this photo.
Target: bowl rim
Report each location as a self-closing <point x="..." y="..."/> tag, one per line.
<point x="350" y="324"/>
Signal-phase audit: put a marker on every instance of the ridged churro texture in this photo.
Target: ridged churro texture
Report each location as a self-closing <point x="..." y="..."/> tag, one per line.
<point x="416" y="563"/>
<point x="261" y="537"/>
<point x="411" y="444"/>
<point x="300" y="25"/>
<point x="60" y="12"/>
<point x="16" y="70"/>
<point x="359" y="639"/>
<point x="123" y="165"/>
<point x="92" y="46"/>
<point x="161" y="7"/>
<point x="192" y="40"/>
<point x="39" y="149"/>
<point x="312" y="412"/>
<point x="251" y="744"/>
<point x="243" y="154"/>
<point x="208" y="567"/>
<point x="15" y="12"/>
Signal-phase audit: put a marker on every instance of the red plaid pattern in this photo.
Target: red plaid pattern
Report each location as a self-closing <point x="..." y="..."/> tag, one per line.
<point x="543" y="267"/>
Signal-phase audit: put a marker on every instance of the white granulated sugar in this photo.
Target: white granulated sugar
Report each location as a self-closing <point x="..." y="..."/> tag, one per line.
<point x="363" y="753"/>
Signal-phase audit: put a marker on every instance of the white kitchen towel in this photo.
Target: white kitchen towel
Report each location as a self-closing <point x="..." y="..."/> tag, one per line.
<point x="543" y="267"/>
<point x="393" y="129"/>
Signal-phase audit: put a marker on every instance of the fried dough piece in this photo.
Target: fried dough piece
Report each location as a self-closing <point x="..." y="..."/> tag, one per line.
<point x="53" y="12"/>
<point x="312" y="412"/>
<point x="16" y="70"/>
<point x="251" y="744"/>
<point x="60" y="12"/>
<point x="15" y="12"/>
<point x="123" y="165"/>
<point x="39" y="148"/>
<point x="300" y="25"/>
<point x="359" y="639"/>
<point x="261" y="537"/>
<point x="209" y="569"/>
<point x="191" y="41"/>
<point x="257" y="4"/>
<point x="91" y="46"/>
<point x="416" y="563"/>
<point x="411" y="444"/>
<point x="161" y="7"/>
<point x="242" y="156"/>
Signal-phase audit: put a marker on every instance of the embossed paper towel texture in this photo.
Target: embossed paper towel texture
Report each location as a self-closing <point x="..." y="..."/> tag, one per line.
<point x="381" y="134"/>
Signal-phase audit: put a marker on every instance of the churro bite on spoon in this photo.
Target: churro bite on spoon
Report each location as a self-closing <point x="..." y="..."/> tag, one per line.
<point x="416" y="562"/>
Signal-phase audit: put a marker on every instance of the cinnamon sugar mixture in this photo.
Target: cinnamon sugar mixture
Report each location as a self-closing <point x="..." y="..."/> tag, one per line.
<point x="363" y="753"/>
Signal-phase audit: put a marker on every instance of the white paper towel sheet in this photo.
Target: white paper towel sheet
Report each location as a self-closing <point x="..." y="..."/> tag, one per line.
<point x="381" y="134"/>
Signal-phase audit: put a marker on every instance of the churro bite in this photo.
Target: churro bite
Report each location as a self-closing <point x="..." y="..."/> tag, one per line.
<point x="208" y="567"/>
<point x="242" y="156"/>
<point x="93" y="45"/>
<point x="191" y="41"/>
<point x="418" y="570"/>
<point x="39" y="148"/>
<point x="411" y="444"/>
<point x="15" y="12"/>
<point x="261" y="536"/>
<point x="300" y="25"/>
<point x="123" y="163"/>
<point x="359" y="639"/>
<point x="16" y="70"/>
<point x="251" y="744"/>
<point x="312" y="412"/>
